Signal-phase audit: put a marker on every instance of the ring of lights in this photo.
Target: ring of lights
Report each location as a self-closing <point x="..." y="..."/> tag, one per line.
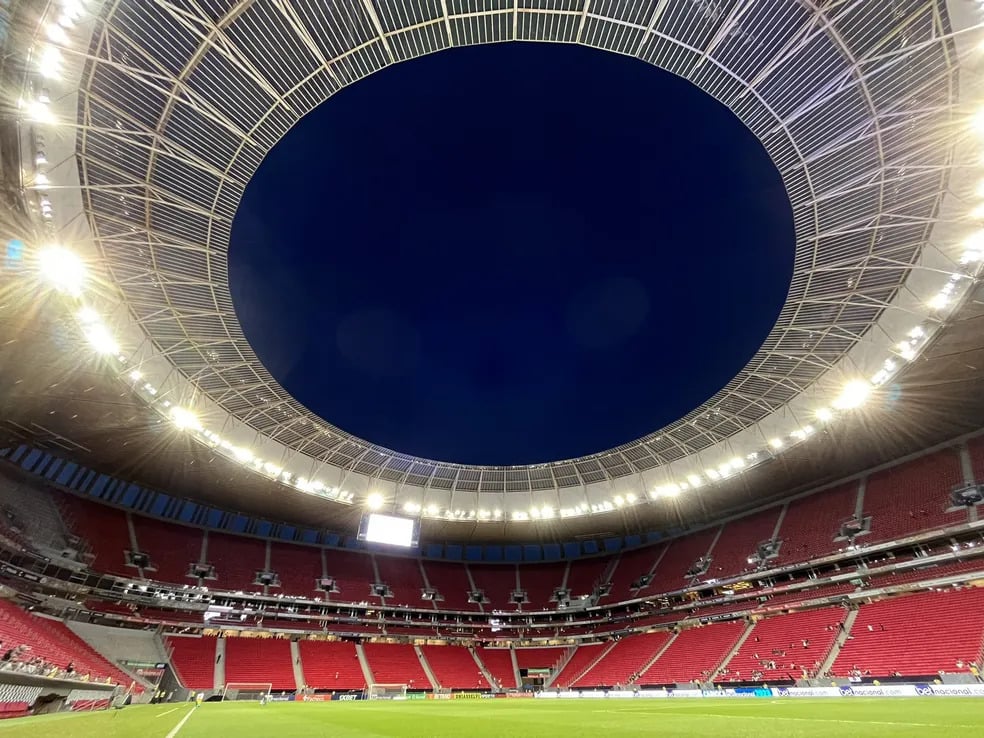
<point x="176" y="107"/>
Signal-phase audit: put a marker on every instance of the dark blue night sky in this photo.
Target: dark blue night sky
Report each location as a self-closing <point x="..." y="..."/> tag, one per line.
<point x="511" y="254"/>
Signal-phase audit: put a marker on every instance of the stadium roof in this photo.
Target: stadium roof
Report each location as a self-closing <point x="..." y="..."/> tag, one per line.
<point x="168" y="108"/>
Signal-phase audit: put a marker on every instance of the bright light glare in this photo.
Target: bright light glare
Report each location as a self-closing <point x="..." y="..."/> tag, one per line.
<point x="39" y="112"/>
<point x="824" y="415"/>
<point x="62" y="269"/>
<point x="49" y="62"/>
<point x="776" y="443"/>
<point x="374" y="501"/>
<point x="101" y="339"/>
<point x="184" y="419"/>
<point x="57" y="34"/>
<point x="854" y="394"/>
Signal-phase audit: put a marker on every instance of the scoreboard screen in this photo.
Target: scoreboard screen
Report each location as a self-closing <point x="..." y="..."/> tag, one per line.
<point x="390" y="530"/>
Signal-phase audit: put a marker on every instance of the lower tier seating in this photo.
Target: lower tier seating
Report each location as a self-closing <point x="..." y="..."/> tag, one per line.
<point x="396" y="663"/>
<point x="331" y="665"/>
<point x="624" y="662"/>
<point x="193" y="660"/>
<point x="260" y="660"/>
<point x="578" y="663"/>
<point x="915" y="635"/>
<point x="694" y="654"/>
<point x="454" y="667"/>
<point x="498" y="662"/>
<point x="784" y="647"/>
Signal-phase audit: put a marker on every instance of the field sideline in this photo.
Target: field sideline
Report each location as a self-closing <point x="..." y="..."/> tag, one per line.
<point x="494" y="718"/>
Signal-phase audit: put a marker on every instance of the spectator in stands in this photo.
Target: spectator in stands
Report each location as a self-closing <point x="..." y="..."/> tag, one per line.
<point x="975" y="672"/>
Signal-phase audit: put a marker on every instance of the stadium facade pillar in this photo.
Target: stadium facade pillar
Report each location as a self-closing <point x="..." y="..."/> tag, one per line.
<point x="218" y="676"/>
<point x="295" y="660"/>
<point x="364" y="663"/>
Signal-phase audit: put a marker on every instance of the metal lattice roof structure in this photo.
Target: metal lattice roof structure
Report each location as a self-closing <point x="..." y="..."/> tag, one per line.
<point x="856" y="102"/>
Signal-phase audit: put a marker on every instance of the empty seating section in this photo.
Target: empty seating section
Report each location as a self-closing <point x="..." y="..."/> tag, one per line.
<point x="451" y="582"/>
<point x="403" y="578"/>
<point x="632" y="565"/>
<point x="539" y="658"/>
<point x="352" y="573"/>
<point x="671" y="574"/>
<point x="539" y="582"/>
<point x="925" y="573"/>
<point x="625" y="661"/>
<point x="913" y="496"/>
<point x="812" y="523"/>
<point x="578" y="663"/>
<point x="33" y="516"/>
<point x="105" y="531"/>
<point x="193" y="660"/>
<point x="739" y="540"/>
<point x="331" y="665"/>
<point x="454" y="667"/>
<point x="694" y="654"/>
<point x="172" y="548"/>
<point x="395" y="663"/>
<point x="298" y="569"/>
<point x="52" y="641"/>
<point x="498" y="662"/>
<point x="785" y="646"/>
<point x="497" y="582"/>
<point x="916" y="635"/>
<point x="236" y="559"/>
<point x="260" y="660"/>
<point x="585" y="575"/>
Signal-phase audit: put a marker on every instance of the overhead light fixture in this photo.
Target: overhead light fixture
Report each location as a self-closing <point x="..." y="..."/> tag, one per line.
<point x="184" y="419"/>
<point x="825" y="415"/>
<point x="374" y="501"/>
<point x="854" y="395"/>
<point x="101" y="339"/>
<point x="776" y="443"/>
<point x="62" y="269"/>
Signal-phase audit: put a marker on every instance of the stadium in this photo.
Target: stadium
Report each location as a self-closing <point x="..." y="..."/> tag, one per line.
<point x="187" y="548"/>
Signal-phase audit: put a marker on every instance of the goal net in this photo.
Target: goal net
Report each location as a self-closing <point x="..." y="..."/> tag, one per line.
<point x="246" y="690"/>
<point x="386" y="692"/>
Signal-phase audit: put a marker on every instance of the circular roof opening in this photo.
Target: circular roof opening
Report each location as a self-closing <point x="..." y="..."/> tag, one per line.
<point x="511" y="254"/>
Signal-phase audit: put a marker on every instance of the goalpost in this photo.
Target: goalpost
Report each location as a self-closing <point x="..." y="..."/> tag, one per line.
<point x="386" y="692"/>
<point x="246" y="690"/>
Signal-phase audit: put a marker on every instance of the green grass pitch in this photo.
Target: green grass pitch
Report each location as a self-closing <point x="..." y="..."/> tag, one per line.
<point x="763" y="718"/>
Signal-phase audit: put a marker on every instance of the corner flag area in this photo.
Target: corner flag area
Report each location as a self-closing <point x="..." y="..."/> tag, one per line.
<point x="494" y="718"/>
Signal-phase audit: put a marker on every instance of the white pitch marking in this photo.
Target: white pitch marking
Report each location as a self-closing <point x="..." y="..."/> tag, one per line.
<point x="167" y="712"/>
<point x="179" y="726"/>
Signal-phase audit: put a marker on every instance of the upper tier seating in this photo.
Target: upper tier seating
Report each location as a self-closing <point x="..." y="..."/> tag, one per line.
<point x="104" y="529"/>
<point x="353" y="576"/>
<point x="498" y="662"/>
<point x="498" y="583"/>
<point x="915" y="635"/>
<point x="631" y="566"/>
<point x="396" y="663"/>
<point x="794" y="643"/>
<point x="454" y="667"/>
<point x="236" y="560"/>
<point x="586" y="574"/>
<point x="812" y="523"/>
<point x="624" y="661"/>
<point x="193" y="660"/>
<point x="331" y="665"/>
<point x="694" y="654"/>
<point x="260" y="660"/>
<point x="451" y="582"/>
<point x="539" y="583"/>
<point x="578" y="663"/>
<point x="671" y="573"/>
<point x="172" y="548"/>
<point x="31" y="516"/>
<point x="52" y="641"/>
<point x="298" y="568"/>
<point x="739" y="540"/>
<point x="913" y="496"/>
<point x="403" y="578"/>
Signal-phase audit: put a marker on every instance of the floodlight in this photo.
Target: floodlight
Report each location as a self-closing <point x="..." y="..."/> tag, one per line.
<point x="62" y="268"/>
<point x="185" y="419"/>
<point x="939" y="301"/>
<point x="88" y="316"/>
<point x="49" y="62"/>
<point x="135" y="375"/>
<point x="56" y="34"/>
<point x="853" y="395"/>
<point x="824" y="415"/>
<point x="101" y="339"/>
<point x="694" y="480"/>
<point x="39" y="113"/>
<point x="374" y="501"/>
<point x="630" y="497"/>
